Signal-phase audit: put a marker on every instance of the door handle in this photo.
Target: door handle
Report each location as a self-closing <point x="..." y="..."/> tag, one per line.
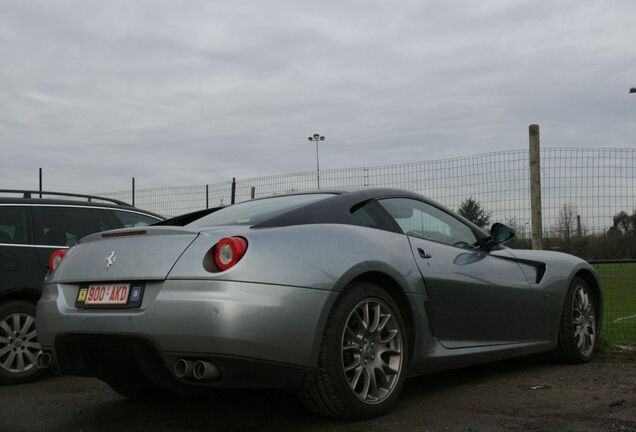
<point x="423" y="254"/>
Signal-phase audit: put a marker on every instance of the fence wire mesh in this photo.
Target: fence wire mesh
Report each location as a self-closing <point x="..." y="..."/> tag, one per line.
<point x="588" y="205"/>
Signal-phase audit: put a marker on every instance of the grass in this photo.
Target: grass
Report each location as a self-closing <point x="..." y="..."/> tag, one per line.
<point x="619" y="285"/>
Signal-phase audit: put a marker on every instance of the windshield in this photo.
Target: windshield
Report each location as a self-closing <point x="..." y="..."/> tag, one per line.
<point x="255" y="212"/>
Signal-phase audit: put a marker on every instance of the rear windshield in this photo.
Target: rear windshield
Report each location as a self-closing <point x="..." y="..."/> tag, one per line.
<point x="255" y="212"/>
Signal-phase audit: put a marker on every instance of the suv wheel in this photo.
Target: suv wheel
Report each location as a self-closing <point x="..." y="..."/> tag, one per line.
<point x="18" y="343"/>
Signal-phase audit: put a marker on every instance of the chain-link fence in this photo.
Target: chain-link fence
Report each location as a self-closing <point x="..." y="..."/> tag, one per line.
<point x="588" y="204"/>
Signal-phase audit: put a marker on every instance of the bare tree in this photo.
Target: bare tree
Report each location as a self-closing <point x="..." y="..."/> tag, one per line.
<point x="566" y="224"/>
<point x="516" y="226"/>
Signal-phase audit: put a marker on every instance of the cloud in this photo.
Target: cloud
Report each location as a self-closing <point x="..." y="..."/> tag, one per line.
<point x="196" y="92"/>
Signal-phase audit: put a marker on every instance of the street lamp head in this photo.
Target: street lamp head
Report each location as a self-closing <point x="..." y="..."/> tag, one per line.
<point x="316" y="137"/>
<point x="632" y="90"/>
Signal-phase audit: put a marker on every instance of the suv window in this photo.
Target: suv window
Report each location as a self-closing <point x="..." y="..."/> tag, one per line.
<point x="63" y="226"/>
<point x="423" y="220"/>
<point x="14" y="225"/>
<point x="130" y="220"/>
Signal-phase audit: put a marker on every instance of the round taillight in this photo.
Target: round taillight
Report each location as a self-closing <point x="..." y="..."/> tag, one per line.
<point x="228" y="251"/>
<point x="56" y="258"/>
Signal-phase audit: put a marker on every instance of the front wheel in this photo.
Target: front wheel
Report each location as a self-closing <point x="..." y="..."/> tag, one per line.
<point x="363" y="356"/>
<point x="578" y="328"/>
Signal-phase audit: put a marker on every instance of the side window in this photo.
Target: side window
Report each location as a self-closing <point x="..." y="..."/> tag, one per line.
<point x="419" y="219"/>
<point x="63" y="226"/>
<point x="370" y="214"/>
<point x="15" y="225"/>
<point x="130" y="220"/>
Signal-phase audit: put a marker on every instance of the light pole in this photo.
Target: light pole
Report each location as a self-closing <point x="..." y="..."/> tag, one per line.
<point x="315" y="138"/>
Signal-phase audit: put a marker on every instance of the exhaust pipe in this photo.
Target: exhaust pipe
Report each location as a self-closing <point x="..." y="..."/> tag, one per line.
<point x="183" y="368"/>
<point x="204" y="370"/>
<point x="43" y="360"/>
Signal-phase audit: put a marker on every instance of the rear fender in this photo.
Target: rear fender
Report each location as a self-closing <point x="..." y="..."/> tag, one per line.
<point x="378" y="267"/>
<point x="324" y="256"/>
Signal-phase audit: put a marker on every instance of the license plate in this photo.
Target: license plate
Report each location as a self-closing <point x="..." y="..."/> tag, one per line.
<point x="107" y="294"/>
<point x="113" y="295"/>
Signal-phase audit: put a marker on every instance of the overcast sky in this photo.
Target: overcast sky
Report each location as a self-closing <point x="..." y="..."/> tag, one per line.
<point x="187" y="92"/>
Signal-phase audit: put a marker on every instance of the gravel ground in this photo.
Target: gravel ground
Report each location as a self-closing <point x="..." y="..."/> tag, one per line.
<point x="519" y="395"/>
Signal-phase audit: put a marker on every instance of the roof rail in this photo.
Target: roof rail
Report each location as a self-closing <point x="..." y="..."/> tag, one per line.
<point x="29" y="193"/>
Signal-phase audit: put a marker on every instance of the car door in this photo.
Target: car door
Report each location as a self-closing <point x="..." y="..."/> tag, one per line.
<point x="59" y="227"/>
<point x="19" y="269"/>
<point x="475" y="298"/>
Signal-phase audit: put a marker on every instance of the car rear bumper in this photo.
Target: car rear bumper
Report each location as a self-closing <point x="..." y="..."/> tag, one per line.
<point x="244" y="328"/>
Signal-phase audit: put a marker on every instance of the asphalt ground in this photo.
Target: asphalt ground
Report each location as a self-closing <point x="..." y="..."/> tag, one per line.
<point x="527" y="394"/>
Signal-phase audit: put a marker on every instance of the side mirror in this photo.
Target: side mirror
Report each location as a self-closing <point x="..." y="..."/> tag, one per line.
<point x="500" y="233"/>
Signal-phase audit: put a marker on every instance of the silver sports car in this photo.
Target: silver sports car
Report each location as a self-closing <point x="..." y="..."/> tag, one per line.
<point x="341" y="295"/>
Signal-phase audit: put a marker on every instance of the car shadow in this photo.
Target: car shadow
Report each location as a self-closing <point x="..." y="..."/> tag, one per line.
<point x="262" y="410"/>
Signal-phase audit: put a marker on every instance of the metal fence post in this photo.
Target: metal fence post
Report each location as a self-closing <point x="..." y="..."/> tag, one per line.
<point x="133" y="191"/>
<point x="40" y="182"/>
<point x="233" y="197"/>
<point x="535" y="187"/>
<point x="207" y="196"/>
<point x="253" y="192"/>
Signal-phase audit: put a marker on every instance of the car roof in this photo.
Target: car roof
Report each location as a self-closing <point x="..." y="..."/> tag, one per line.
<point x="360" y="191"/>
<point x="338" y="208"/>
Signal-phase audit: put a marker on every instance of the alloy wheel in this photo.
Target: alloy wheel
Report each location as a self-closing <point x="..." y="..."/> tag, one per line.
<point x="18" y="343"/>
<point x="584" y="321"/>
<point x="372" y="351"/>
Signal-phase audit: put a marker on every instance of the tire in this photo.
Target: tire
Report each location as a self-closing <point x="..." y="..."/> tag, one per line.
<point x="18" y="343"/>
<point x="578" y="327"/>
<point x="349" y="350"/>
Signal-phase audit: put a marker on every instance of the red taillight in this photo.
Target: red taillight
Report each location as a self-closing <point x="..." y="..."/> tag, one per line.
<point x="56" y="258"/>
<point x="228" y="251"/>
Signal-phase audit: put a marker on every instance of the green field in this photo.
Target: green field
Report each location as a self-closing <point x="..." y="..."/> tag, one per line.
<point x="619" y="285"/>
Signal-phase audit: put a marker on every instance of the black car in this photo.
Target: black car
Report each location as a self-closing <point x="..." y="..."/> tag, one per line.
<point x="31" y="228"/>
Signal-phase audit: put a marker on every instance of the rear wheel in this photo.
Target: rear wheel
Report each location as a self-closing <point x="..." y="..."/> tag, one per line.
<point x="577" y="333"/>
<point x="18" y="343"/>
<point x="362" y="358"/>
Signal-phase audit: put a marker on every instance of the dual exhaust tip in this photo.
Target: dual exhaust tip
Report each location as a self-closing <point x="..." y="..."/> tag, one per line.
<point x="200" y="370"/>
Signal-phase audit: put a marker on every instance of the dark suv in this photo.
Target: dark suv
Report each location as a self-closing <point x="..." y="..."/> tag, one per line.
<point x="31" y="228"/>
